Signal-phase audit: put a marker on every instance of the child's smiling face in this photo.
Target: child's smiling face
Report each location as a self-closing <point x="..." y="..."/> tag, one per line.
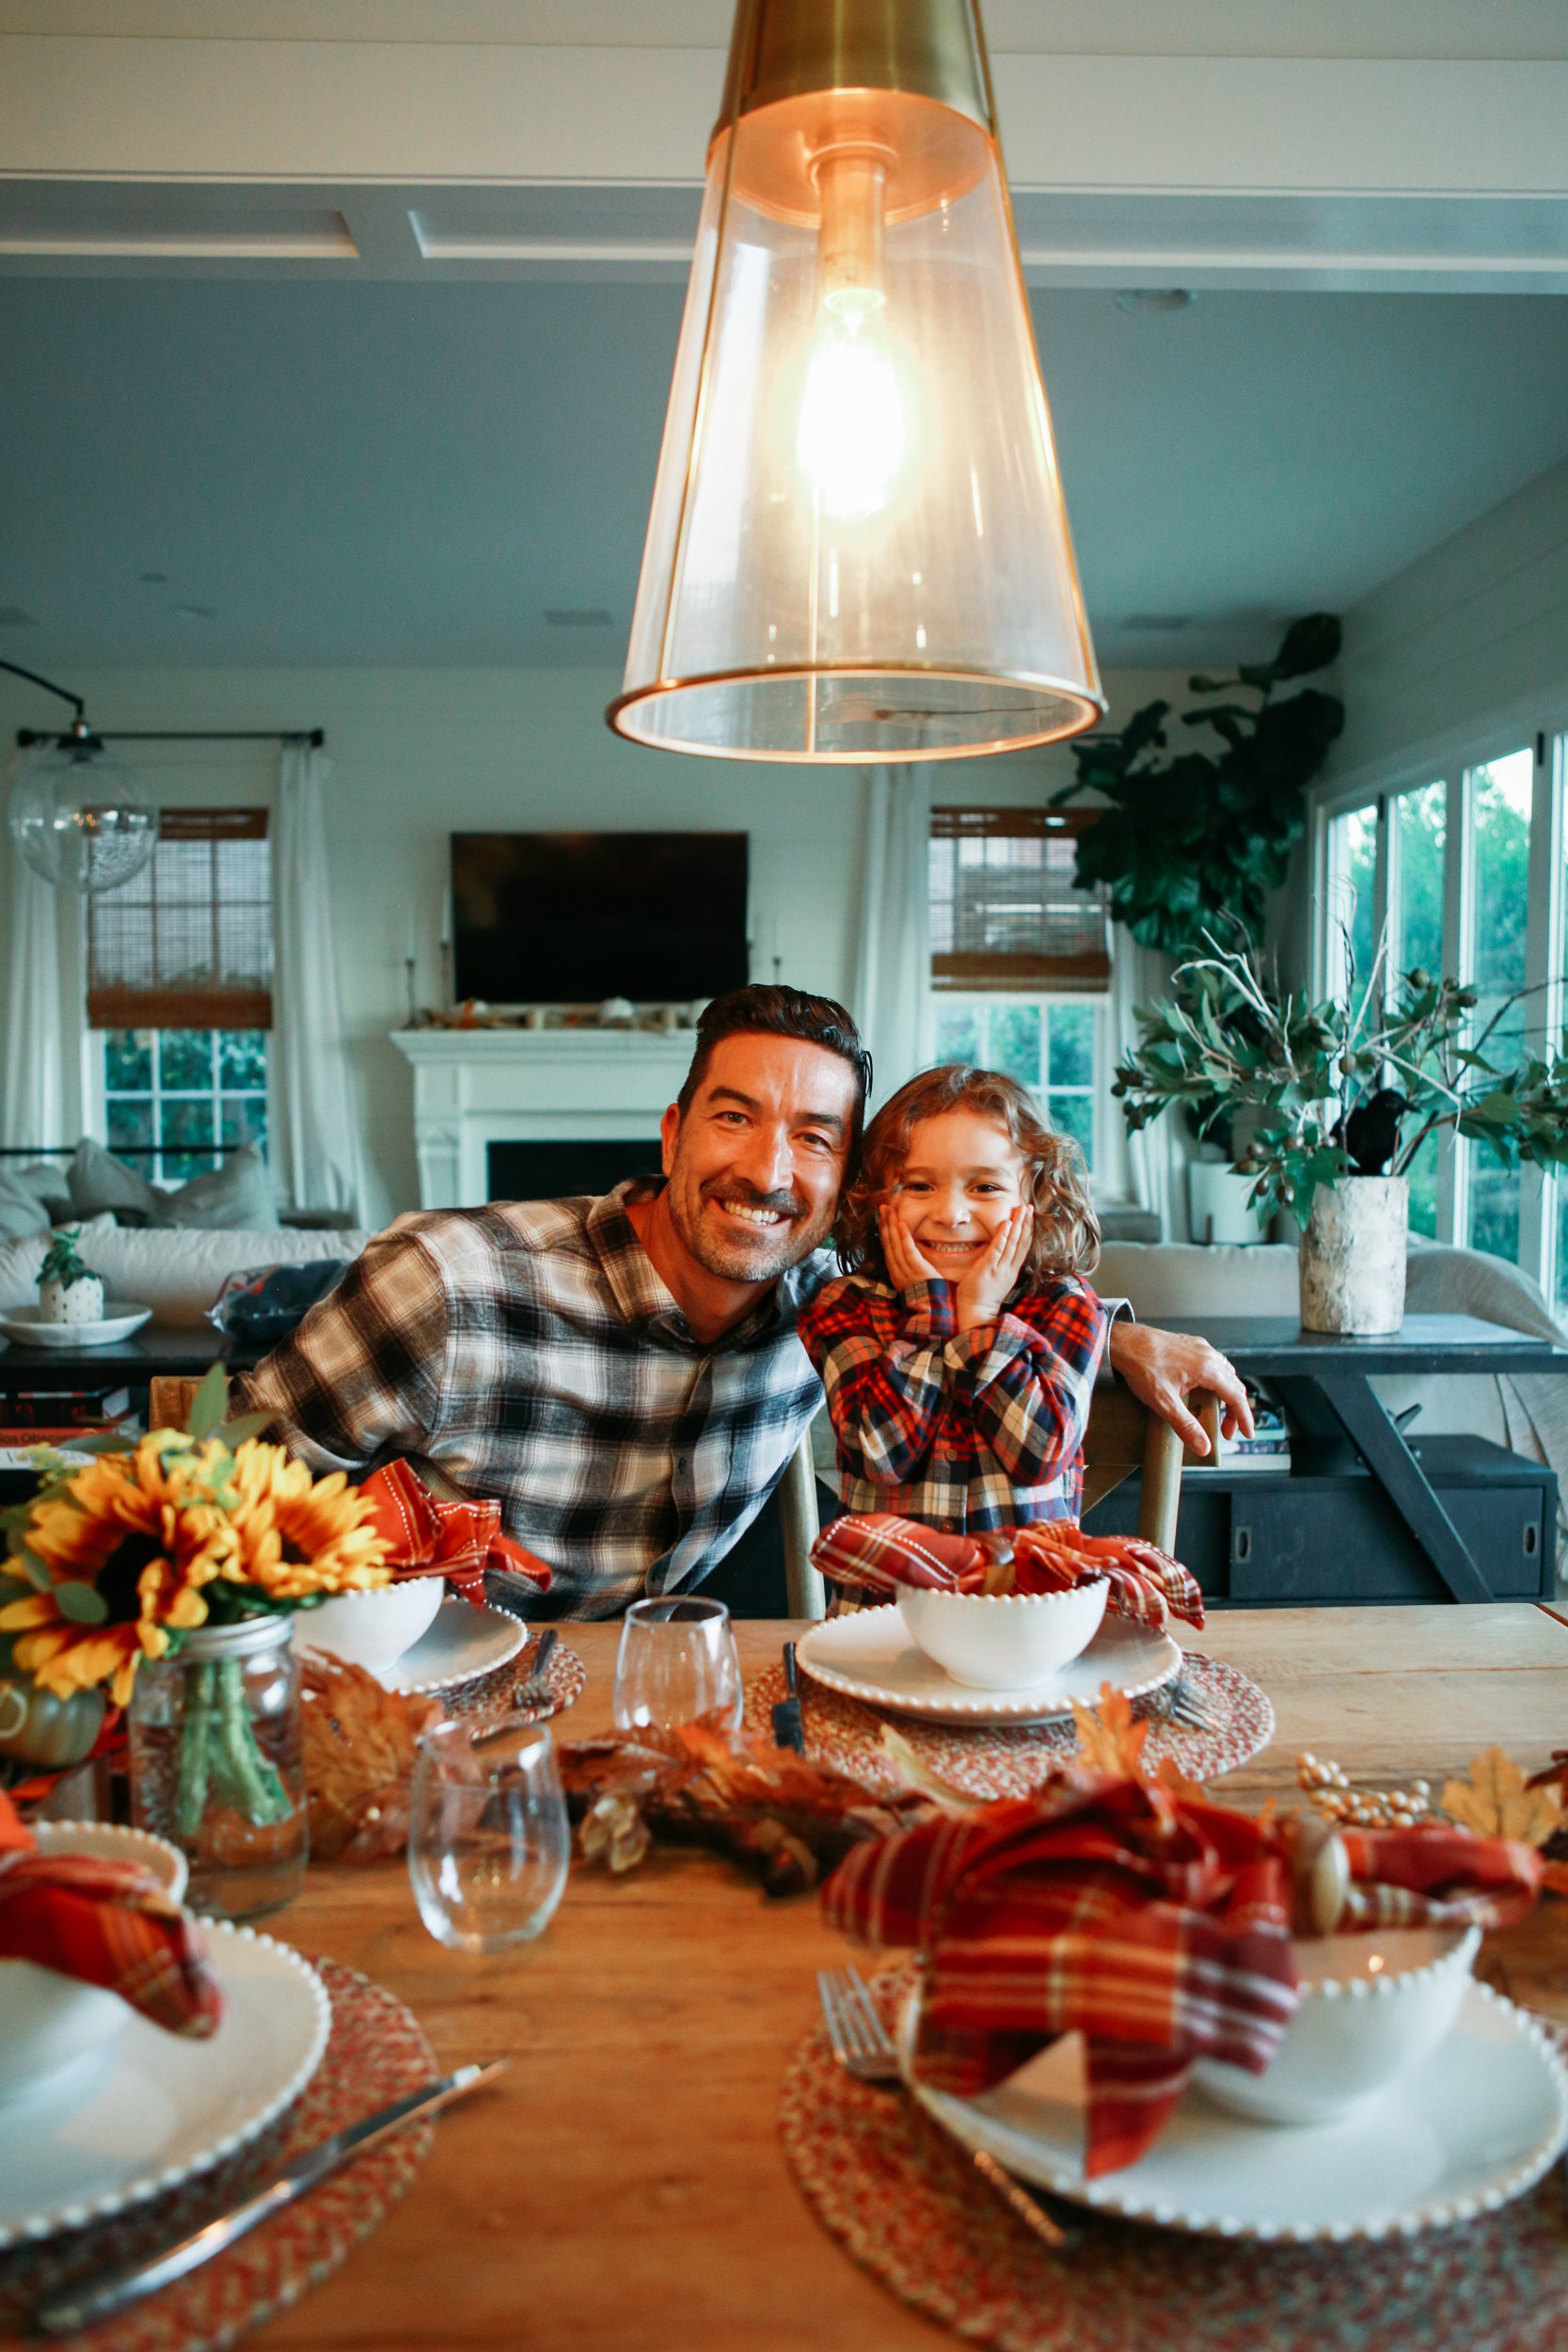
<point x="962" y="1177"/>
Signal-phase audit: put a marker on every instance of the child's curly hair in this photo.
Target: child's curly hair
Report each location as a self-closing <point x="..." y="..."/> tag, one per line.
<point x="1067" y="1231"/>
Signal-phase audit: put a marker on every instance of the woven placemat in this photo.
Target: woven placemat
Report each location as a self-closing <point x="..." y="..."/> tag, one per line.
<point x="376" y="2051"/>
<point x="565" y="1674"/>
<point x="1014" y="1759"/>
<point x="910" y="2207"/>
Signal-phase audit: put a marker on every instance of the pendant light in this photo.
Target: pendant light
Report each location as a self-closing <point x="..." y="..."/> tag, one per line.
<point x="858" y="548"/>
<point x="80" y="815"/>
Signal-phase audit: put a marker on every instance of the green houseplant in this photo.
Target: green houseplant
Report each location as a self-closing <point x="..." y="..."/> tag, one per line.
<point x="1186" y="842"/>
<point x="1339" y="1097"/>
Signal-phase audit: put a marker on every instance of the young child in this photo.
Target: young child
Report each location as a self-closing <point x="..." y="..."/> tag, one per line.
<point x="958" y="1354"/>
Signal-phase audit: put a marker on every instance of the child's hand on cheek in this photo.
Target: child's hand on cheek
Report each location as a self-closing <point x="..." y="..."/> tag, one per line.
<point x="904" y="1265"/>
<point x="984" y="1293"/>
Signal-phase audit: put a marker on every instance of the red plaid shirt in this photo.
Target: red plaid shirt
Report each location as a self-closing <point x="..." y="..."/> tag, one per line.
<point x="958" y="1429"/>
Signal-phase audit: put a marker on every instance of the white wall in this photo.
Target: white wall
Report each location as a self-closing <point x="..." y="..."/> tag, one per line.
<point x="420" y="754"/>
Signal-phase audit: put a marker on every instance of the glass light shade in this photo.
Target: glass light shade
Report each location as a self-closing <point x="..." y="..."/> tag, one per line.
<point x="858" y="548"/>
<point x="81" y="815"/>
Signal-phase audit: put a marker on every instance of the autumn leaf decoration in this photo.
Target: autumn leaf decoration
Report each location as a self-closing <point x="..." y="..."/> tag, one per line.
<point x="1109" y="1741"/>
<point x="1496" y="1801"/>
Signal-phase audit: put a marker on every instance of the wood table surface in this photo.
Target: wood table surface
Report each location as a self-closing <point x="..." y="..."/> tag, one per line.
<point x="625" y="2186"/>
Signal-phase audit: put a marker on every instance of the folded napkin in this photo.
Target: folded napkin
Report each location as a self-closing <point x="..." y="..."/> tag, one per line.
<point x="1436" y="1875"/>
<point x="108" y="1924"/>
<point x="457" y="1540"/>
<point x="878" y="1552"/>
<point x="1158" y="1927"/>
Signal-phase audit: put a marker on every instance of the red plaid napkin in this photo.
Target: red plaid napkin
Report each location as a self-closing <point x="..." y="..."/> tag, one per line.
<point x="878" y="1552"/>
<point x="1158" y="1928"/>
<point x="457" y="1540"/>
<point x="106" y="1923"/>
<point x="1438" y="1875"/>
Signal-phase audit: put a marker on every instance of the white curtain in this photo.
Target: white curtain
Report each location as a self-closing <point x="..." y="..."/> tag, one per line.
<point x="1151" y="1165"/>
<point x="317" y="1142"/>
<point x="33" y="1083"/>
<point x="893" y="965"/>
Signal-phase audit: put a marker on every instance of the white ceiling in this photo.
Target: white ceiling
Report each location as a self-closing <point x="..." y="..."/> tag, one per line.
<point x="393" y="472"/>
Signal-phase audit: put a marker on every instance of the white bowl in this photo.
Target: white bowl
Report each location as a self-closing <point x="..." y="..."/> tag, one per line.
<point x="1003" y="1641"/>
<point x="372" y="1629"/>
<point x="1373" y="2006"/>
<point x="48" y="2022"/>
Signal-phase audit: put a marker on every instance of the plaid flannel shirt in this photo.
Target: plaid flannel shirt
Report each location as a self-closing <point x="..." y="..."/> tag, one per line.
<point x="958" y="1429"/>
<point x="531" y="1349"/>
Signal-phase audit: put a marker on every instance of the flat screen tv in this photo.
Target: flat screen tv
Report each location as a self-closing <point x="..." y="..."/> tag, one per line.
<point x="574" y="917"/>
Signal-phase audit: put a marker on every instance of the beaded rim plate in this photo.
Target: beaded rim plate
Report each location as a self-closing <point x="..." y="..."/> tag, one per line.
<point x="1475" y="2127"/>
<point x="466" y="1639"/>
<point x="869" y="1656"/>
<point x="155" y="2108"/>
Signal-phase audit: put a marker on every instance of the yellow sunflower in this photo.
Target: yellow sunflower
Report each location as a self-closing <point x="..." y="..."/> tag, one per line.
<point x="297" y="1535"/>
<point x="141" y="1529"/>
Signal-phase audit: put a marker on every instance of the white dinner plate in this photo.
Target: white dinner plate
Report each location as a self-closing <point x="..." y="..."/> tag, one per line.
<point x="1475" y="2124"/>
<point x="121" y="1317"/>
<point x="463" y="1643"/>
<point x="869" y="1656"/>
<point x="149" y="2109"/>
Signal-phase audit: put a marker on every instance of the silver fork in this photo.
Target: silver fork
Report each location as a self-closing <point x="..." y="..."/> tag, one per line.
<point x="862" y="2046"/>
<point x="1184" y="1705"/>
<point x="534" y="1694"/>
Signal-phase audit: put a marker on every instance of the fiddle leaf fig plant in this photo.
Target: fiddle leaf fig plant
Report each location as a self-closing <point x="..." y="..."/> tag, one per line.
<point x="1348" y="1086"/>
<point x="1185" y="842"/>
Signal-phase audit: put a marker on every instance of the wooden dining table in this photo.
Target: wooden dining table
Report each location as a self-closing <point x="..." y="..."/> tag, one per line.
<point x="623" y="2187"/>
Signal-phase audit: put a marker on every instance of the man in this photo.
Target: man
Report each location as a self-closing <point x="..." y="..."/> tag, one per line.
<point x="624" y="1372"/>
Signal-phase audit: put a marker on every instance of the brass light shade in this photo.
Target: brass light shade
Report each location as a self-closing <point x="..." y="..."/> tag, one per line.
<point x="858" y="548"/>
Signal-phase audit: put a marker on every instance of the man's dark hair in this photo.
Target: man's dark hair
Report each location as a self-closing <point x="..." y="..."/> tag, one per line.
<point x="773" y="1012"/>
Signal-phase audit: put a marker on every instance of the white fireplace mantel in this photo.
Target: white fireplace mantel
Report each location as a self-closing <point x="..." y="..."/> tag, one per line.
<point x="473" y="1087"/>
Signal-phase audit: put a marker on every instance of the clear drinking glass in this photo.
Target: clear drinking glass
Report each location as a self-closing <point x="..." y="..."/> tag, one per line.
<point x="488" y="1838"/>
<point x="677" y="1661"/>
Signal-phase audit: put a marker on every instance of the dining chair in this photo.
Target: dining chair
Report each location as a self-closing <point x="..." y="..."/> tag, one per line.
<point x="169" y="1399"/>
<point x="1124" y="1440"/>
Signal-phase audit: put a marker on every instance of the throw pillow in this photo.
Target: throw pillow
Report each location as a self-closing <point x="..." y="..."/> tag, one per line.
<point x="100" y="1182"/>
<point x="20" y="1210"/>
<point x="235" y="1194"/>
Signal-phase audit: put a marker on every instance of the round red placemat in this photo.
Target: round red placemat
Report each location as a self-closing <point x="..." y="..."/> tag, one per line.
<point x="376" y="2052"/>
<point x="565" y="1674"/>
<point x="1015" y="1759"/>
<point x="910" y="2207"/>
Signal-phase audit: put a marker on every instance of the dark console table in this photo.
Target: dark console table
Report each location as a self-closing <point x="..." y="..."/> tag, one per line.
<point x="1367" y="1512"/>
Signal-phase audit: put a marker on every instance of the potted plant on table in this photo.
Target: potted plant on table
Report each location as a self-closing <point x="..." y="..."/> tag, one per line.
<point x="1338" y="1098"/>
<point x="69" y="1291"/>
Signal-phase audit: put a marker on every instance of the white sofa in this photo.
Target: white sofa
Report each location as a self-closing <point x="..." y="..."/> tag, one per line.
<point x="177" y="1271"/>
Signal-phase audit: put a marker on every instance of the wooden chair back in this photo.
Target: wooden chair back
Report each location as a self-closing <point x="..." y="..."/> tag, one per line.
<point x="169" y="1400"/>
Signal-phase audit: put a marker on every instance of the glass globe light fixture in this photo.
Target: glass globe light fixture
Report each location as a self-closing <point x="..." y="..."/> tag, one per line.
<point x="81" y="815"/>
<point x="858" y="548"/>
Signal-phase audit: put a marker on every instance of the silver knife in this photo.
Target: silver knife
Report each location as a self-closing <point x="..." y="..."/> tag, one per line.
<point x="789" y="1730"/>
<point x="82" y="2307"/>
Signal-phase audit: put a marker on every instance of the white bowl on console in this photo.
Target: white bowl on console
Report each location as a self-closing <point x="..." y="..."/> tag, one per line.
<point x="372" y="1629"/>
<point x="1373" y="2006"/>
<point x="49" y="2022"/>
<point x="1003" y="1641"/>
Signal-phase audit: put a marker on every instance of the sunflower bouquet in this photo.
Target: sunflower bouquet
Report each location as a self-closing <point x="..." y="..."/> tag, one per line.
<point x="115" y="1563"/>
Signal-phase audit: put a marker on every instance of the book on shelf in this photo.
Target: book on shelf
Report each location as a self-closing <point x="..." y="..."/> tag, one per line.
<point x="64" y="1408"/>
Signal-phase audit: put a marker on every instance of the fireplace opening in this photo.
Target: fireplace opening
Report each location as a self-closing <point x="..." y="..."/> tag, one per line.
<point x="558" y="1171"/>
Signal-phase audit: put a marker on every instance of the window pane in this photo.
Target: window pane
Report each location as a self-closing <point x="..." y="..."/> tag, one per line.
<point x="1074" y="1115"/>
<point x="1352" y="844"/>
<point x="1071" y="1045"/>
<point x="128" y="1061"/>
<point x="129" y="1123"/>
<point x="1423" y="821"/>
<point x="1501" y="805"/>
<point x="1559" y="1306"/>
<point x="245" y="1120"/>
<point x="243" y="1060"/>
<point x="1423" y="1190"/>
<point x="1014" y="1044"/>
<point x="185" y="1058"/>
<point x="185" y="1120"/>
<point x="960" y="1033"/>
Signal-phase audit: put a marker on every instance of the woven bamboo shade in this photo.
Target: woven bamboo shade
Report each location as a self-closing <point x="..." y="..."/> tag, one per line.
<point x="1004" y="912"/>
<point x="187" y="943"/>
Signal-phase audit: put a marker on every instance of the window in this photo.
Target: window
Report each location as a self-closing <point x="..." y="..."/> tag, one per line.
<point x="180" y="983"/>
<point x="1419" y="838"/>
<point x="1020" y="957"/>
<point x="1352" y="894"/>
<point x="1500" y="796"/>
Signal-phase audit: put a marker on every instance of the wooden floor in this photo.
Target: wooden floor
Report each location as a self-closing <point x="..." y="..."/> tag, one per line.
<point x="623" y="2190"/>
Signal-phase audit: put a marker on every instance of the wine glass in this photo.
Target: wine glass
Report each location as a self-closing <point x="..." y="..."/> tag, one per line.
<point x="488" y="1840"/>
<point x="677" y="1661"/>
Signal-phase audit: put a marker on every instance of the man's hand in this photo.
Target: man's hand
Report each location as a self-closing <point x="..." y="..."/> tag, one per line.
<point x="1163" y="1368"/>
<point x="904" y="1265"/>
<point x="986" y="1290"/>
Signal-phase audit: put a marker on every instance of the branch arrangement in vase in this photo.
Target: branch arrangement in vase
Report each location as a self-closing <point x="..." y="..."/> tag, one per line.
<point x="1349" y="1087"/>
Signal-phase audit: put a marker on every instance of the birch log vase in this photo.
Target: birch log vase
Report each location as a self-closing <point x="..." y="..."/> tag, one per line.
<point x="1353" y="1256"/>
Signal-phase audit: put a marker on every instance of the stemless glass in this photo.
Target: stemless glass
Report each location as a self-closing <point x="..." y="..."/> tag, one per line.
<point x="488" y="1840"/>
<point x="677" y="1661"/>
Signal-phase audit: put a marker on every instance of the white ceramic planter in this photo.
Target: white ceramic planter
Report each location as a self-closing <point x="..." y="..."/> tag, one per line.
<point x="81" y="1301"/>
<point x="1217" y="1205"/>
<point x="1353" y="1256"/>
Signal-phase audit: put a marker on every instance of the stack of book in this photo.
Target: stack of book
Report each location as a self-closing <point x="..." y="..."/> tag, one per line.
<point x="52" y="1416"/>
<point x="1269" y="1448"/>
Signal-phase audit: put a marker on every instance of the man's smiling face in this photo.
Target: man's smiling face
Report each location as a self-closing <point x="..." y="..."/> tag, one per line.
<point x="757" y="1162"/>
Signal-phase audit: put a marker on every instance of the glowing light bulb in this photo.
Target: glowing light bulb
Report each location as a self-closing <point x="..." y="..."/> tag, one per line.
<point x="852" y="437"/>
